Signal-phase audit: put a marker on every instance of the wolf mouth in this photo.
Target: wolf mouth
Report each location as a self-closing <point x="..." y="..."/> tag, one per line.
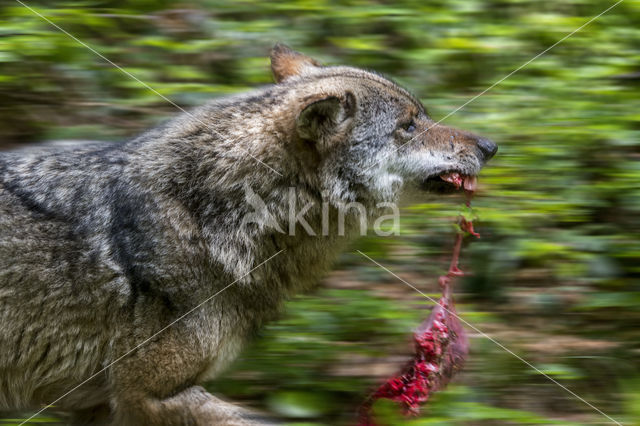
<point x="449" y="182"/>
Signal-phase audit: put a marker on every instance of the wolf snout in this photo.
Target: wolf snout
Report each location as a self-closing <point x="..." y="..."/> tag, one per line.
<point x="487" y="147"/>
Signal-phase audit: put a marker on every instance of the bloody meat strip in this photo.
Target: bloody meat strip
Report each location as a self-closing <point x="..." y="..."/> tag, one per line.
<point x="440" y="344"/>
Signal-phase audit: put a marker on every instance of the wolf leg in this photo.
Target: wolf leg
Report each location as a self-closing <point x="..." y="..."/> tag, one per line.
<point x="156" y="385"/>
<point x="192" y="406"/>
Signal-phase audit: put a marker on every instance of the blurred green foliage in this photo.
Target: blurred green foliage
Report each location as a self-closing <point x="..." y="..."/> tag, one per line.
<point x="556" y="273"/>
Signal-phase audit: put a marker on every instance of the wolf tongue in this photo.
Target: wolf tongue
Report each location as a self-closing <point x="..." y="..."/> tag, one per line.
<point x="470" y="183"/>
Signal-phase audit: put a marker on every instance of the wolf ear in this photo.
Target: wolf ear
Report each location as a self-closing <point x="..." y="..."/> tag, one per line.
<point x="286" y="62"/>
<point x="322" y="117"/>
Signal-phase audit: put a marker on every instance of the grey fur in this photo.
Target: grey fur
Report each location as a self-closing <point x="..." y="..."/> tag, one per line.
<point x="103" y="245"/>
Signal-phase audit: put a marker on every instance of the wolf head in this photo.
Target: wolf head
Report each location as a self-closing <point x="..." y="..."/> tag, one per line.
<point x="366" y="137"/>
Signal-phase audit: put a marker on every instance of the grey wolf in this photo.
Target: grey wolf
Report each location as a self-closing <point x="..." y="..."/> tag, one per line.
<point x="102" y="245"/>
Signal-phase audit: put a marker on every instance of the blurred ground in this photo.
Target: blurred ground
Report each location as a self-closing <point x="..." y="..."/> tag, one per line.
<point x="556" y="272"/>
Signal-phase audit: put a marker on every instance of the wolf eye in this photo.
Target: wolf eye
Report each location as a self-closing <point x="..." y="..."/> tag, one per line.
<point x="409" y="126"/>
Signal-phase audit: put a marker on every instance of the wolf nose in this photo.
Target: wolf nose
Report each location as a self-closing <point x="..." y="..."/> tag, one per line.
<point x="487" y="147"/>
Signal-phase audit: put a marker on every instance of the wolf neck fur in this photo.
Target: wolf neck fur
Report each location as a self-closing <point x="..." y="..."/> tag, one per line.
<point x="204" y="187"/>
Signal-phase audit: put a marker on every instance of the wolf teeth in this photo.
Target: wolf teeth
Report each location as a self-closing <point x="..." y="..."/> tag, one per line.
<point x="453" y="178"/>
<point x="470" y="183"/>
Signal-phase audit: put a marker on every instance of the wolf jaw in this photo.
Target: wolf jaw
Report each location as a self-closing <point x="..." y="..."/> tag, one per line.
<point x="428" y="171"/>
